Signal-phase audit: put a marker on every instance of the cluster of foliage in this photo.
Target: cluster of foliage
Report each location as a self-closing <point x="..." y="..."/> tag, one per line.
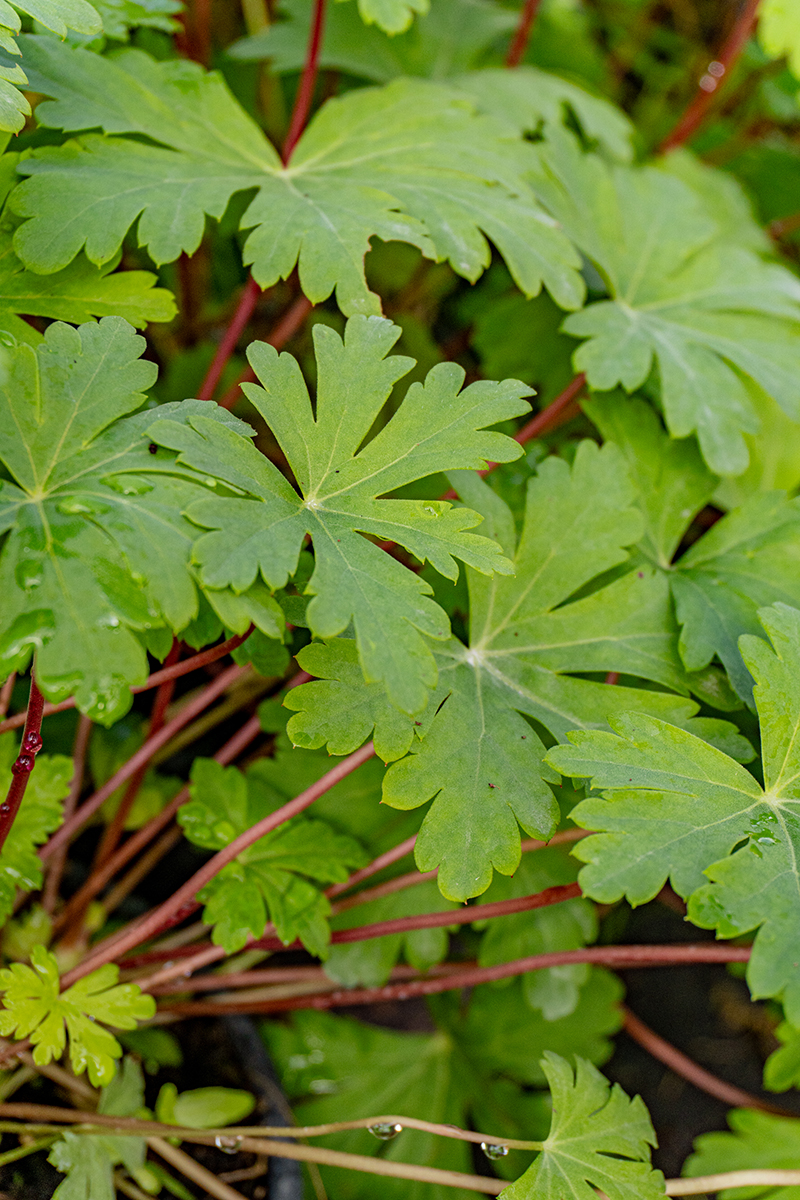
<point x="521" y="599"/>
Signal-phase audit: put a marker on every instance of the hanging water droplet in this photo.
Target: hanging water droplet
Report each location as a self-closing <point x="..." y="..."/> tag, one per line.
<point x="228" y="1145"/>
<point x="385" y="1130"/>
<point x="492" y="1150"/>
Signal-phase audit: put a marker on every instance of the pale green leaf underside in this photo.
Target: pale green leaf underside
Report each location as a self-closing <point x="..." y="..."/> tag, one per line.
<point x="676" y="807"/>
<point x="682" y="299"/>
<point x="410" y="162"/>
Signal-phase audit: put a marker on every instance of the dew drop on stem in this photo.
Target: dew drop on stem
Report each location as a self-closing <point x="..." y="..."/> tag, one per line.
<point x="385" y="1130"/>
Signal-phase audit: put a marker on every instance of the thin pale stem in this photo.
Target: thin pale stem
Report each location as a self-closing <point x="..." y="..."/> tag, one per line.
<point x="141" y="758"/>
<point x="98" y="880"/>
<point x="154" y="680"/>
<point x="305" y="92"/>
<point x="6" y="692"/>
<point x="279" y="976"/>
<point x="59" y="859"/>
<point x="759" y="1177"/>
<point x="23" y="1151"/>
<point x="132" y="878"/>
<point x="377" y="864"/>
<point x="193" y="1170"/>
<point x="25" y="761"/>
<point x="713" y="78"/>
<point x="691" y="1071"/>
<point x="522" y="34"/>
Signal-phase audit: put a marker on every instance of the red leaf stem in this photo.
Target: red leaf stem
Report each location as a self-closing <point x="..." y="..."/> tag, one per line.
<point x="59" y="859"/>
<point x="138" y="840"/>
<point x="244" y="312"/>
<point x="155" y="680"/>
<point x="113" y="831"/>
<point x="519" y="42"/>
<point x="305" y="92"/>
<point x="182" y="902"/>
<point x="608" y="956"/>
<point x="283" y="332"/>
<point x="377" y="864"/>
<point x="25" y="761"/>
<point x="682" y="1065"/>
<point x="142" y="756"/>
<point x="267" y="976"/>
<point x="713" y="78"/>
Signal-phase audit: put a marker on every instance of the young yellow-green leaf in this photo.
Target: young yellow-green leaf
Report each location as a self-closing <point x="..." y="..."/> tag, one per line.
<point x="203" y="1108"/>
<point x="34" y="1006"/>
<point x="272" y="879"/>
<point x="599" y="1139"/>
<point x="757" y="1140"/>
<point x="412" y="162"/>
<point x="748" y="559"/>
<point x="779" y="30"/>
<point x="39" y="815"/>
<point x="343" y="485"/>
<point x="682" y="297"/>
<point x="98" y="547"/>
<point x="392" y="16"/>
<point x="676" y="807"/>
<point x="782" y="1068"/>
<point x="88" y="1160"/>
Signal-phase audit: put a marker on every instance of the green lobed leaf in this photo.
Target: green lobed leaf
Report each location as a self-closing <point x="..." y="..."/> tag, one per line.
<point x="682" y="298"/>
<point x="34" y="1006"/>
<point x="272" y="879"/>
<point x="782" y="1068"/>
<point x="120" y="17"/>
<point x="438" y="426"/>
<point x="411" y="162"/>
<point x="757" y="1140"/>
<point x="39" y="815"/>
<point x="676" y="807"/>
<point x="779" y="31"/>
<point x="393" y="16"/>
<point x="98" y="547"/>
<point x="600" y="1139"/>
<point x="748" y="559"/>
<point x="476" y="756"/>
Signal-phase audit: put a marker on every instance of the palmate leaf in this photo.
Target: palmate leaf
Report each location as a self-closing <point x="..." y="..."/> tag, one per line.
<point x="38" y="816"/>
<point x="475" y="754"/>
<point x="438" y="427"/>
<point x="779" y="31"/>
<point x="683" y="297"/>
<point x="471" y="1073"/>
<point x="88" y="1160"/>
<point x="34" y="1006"/>
<point x="272" y="879"/>
<point x="748" y="559"/>
<point x="411" y="162"/>
<point x="676" y="807"/>
<point x="599" y="1139"/>
<point x="445" y="43"/>
<point x="119" y="17"/>
<point x="97" y="549"/>
<point x="757" y="1140"/>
